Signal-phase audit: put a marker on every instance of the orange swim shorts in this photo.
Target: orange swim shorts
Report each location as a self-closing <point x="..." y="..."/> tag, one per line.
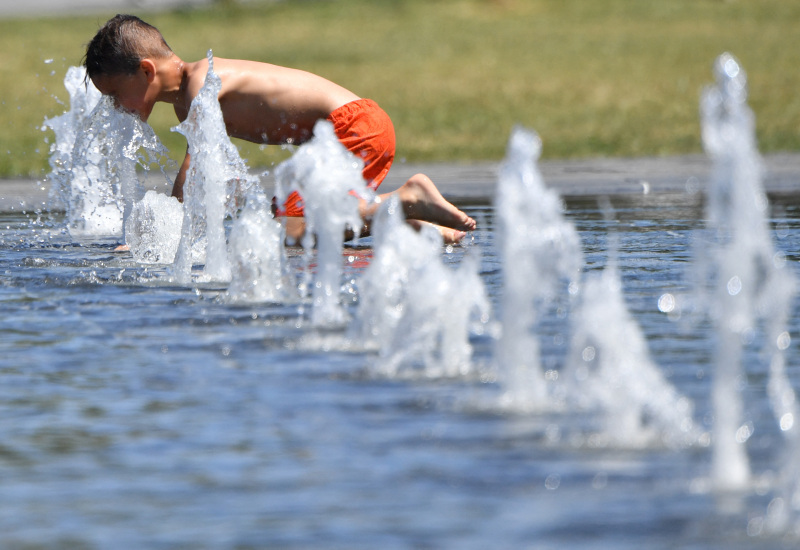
<point x="366" y="131"/>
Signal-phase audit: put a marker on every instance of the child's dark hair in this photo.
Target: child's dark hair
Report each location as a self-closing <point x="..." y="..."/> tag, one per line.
<point x="121" y="44"/>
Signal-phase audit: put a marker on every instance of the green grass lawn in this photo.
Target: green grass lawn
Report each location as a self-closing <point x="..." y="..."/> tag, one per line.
<point x="602" y="78"/>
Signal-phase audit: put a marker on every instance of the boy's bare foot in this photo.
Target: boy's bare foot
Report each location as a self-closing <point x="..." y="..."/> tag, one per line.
<point x="123" y="248"/>
<point x="422" y="201"/>
<point x="449" y="235"/>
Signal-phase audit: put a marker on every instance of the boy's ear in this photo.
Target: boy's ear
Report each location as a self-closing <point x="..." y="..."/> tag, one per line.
<point x="149" y="68"/>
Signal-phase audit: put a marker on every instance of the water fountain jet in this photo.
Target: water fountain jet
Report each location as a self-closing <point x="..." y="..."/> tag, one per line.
<point x="412" y="307"/>
<point x="539" y="251"/>
<point x="328" y="177"/>
<point x="216" y="179"/>
<point x="94" y="159"/>
<point x="748" y="284"/>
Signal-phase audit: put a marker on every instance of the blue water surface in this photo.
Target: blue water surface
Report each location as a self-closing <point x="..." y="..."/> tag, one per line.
<point x="139" y="414"/>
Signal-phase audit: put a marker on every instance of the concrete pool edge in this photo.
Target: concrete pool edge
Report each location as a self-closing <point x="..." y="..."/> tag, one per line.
<point x="473" y="182"/>
<point x="597" y="176"/>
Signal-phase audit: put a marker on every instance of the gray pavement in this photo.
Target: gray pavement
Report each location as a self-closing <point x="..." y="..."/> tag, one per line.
<point x="57" y="8"/>
<point x="599" y="176"/>
<point x="475" y="182"/>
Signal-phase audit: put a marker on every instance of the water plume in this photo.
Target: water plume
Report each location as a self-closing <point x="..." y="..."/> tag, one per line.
<point x="328" y="177"/>
<point x="216" y="178"/>
<point x="748" y="284"/>
<point x="82" y="100"/>
<point x="260" y="269"/>
<point x="540" y="250"/>
<point x="610" y="374"/>
<point x="412" y="307"/>
<point x="94" y="160"/>
<point x="153" y="229"/>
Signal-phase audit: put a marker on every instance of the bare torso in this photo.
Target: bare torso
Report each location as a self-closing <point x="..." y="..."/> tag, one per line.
<point x="266" y="103"/>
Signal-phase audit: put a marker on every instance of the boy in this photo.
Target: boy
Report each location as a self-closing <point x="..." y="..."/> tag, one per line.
<point x="130" y="61"/>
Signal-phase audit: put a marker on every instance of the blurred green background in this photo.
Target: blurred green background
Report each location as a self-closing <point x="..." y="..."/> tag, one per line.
<point x="601" y="78"/>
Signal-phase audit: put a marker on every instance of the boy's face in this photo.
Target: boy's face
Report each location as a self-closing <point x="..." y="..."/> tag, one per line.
<point x="130" y="92"/>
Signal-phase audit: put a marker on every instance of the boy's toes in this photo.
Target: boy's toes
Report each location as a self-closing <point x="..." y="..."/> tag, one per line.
<point x="452" y="236"/>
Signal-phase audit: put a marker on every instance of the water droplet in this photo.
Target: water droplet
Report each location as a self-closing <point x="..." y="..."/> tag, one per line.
<point x="666" y="303"/>
<point x="600" y="480"/>
<point x="731" y="67"/>
<point x="734" y="285"/>
<point x="744" y="432"/>
<point x="552" y="482"/>
<point x="574" y="288"/>
<point x="755" y="526"/>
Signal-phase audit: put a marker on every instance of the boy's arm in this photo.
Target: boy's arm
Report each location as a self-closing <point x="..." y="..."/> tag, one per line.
<point x="180" y="179"/>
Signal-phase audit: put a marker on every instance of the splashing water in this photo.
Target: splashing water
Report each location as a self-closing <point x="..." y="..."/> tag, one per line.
<point x="260" y="270"/>
<point x="329" y="179"/>
<point x="609" y="372"/>
<point x="749" y="281"/>
<point x="153" y="229"/>
<point x="415" y="309"/>
<point x="608" y="358"/>
<point x="539" y="249"/>
<point x="216" y="176"/>
<point x="94" y="160"/>
<point x="82" y="100"/>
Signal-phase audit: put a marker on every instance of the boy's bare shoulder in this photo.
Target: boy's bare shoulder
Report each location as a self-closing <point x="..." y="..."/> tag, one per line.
<point x="236" y="74"/>
<point x="192" y="80"/>
<point x="195" y="77"/>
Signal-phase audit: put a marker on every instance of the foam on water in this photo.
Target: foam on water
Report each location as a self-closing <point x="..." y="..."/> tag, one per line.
<point x="329" y="179"/>
<point x="749" y="284"/>
<point x="412" y="307"/>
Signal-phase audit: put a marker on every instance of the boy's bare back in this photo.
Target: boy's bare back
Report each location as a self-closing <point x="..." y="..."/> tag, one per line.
<point x="265" y="103"/>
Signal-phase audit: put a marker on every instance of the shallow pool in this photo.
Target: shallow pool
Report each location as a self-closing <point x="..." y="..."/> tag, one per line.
<point x="135" y="413"/>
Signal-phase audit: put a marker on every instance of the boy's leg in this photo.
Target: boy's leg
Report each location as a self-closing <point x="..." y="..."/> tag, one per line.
<point x="295" y="229"/>
<point x="422" y="201"/>
<point x="422" y="204"/>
